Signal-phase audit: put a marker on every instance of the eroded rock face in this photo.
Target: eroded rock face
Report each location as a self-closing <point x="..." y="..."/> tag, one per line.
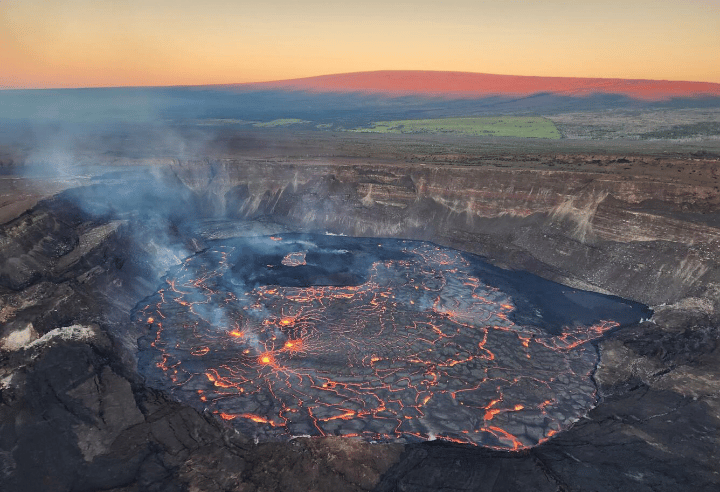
<point x="633" y="237"/>
<point x="74" y="415"/>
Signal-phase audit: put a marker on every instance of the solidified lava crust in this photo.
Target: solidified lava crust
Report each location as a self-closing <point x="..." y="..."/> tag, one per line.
<point x="382" y="339"/>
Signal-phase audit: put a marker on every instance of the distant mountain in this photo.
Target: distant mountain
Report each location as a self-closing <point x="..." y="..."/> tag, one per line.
<point x="478" y="85"/>
<point x="350" y="100"/>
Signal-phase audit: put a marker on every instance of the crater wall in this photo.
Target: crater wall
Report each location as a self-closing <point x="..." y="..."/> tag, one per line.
<point x="73" y="268"/>
<point x="643" y="238"/>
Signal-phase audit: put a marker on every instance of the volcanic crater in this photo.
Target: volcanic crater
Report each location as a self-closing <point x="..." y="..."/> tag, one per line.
<point x="315" y="335"/>
<point x="159" y="308"/>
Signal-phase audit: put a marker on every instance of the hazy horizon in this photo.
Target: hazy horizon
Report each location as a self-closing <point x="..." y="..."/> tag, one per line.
<point x="287" y="82"/>
<point x="83" y="43"/>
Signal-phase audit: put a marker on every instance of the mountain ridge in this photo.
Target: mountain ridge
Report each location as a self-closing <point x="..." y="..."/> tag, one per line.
<point x="474" y="85"/>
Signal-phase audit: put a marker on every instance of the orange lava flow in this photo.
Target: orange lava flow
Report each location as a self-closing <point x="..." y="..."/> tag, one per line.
<point x="422" y="349"/>
<point x="266" y="359"/>
<point x="294" y="259"/>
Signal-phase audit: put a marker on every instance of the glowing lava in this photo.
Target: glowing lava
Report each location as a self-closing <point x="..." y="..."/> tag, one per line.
<point x="294" y="259"/>
<point x="266" y="359"/>
<point x="397" y="340"/>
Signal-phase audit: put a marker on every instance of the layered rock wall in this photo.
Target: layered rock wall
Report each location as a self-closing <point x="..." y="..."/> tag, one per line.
<point x="633" y="238"/>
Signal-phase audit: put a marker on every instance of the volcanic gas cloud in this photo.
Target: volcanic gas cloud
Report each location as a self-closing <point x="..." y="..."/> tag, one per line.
<point x="383" y="339"/>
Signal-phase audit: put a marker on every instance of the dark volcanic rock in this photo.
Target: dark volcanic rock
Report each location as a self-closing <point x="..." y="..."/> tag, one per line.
<point x="445" y="467"/>
<point x="642" y="440"/>
<point x="68" y="421"/>
<point x="75" y="415"/>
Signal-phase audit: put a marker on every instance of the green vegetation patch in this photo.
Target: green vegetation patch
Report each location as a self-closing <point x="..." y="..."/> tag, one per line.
<point x="505" y="126"/>
<point x="280" y="122"/>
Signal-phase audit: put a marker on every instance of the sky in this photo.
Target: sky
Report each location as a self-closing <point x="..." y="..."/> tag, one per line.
<point x="91" y="43"/>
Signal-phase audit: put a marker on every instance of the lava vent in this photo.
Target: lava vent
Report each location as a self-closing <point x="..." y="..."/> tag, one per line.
<point x="383" y="339"/>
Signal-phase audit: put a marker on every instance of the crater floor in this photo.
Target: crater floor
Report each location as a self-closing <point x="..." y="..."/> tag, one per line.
<point x="382" y="339"/>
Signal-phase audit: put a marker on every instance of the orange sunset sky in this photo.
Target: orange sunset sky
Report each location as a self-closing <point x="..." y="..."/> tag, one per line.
<point x="82" y="43"/>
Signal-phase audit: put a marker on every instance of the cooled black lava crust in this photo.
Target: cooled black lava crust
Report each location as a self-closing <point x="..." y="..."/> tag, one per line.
<point x="379" y="338"/>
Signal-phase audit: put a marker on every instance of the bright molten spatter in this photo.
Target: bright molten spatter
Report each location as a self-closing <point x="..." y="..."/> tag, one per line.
<point x="317" y="335"/>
